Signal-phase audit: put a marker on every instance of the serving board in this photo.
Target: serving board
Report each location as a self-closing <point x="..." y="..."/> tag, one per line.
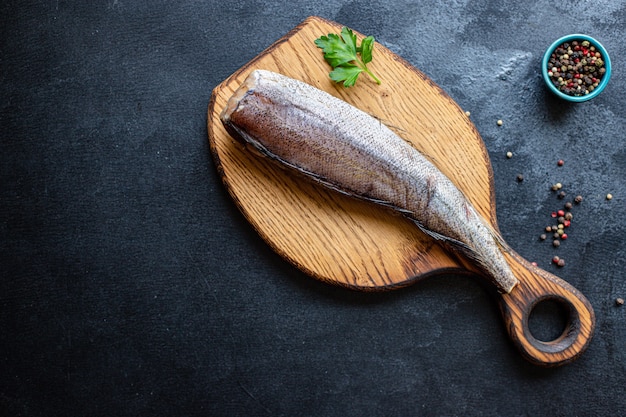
<point x="356" y="244"/>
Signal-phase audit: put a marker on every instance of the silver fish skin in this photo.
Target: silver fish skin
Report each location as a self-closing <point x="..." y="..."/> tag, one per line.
<point x="346" y="149"/>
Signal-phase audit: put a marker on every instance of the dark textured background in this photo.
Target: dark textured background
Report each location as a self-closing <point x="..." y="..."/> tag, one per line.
<point x="131" y="285"/>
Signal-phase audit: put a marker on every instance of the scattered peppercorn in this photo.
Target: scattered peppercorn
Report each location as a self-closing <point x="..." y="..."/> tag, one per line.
<point x="509" y="155"/>
<point x="563" y="220"/>
<point x="576" y="68"/>
<point x="560" y="162"/>
<point x="499" y="122"/>
<point x="561" y="262"/>
<point x="619" y="301"/>
<point x="520" y="178"/>
<point x="467" y="113"/>
<point x="609" y="196"/>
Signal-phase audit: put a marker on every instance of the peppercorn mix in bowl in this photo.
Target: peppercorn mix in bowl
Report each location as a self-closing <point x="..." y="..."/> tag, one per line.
<point x="576" y="67"/>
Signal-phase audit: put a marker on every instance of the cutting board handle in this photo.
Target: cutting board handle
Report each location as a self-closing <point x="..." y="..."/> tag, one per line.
<point x="535" y="287"/>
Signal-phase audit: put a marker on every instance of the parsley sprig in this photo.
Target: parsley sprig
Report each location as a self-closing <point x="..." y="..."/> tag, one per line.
<point x="342" y="53"/>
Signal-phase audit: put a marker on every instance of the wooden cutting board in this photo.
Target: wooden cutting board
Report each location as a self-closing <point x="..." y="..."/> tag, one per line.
<point x="360" y="245"/>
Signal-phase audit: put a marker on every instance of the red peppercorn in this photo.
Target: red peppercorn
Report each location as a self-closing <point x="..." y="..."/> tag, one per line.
<point x="553" y="214"/>
<point x="564" y="236"/>
<point x="561" y="213"/>
<point x="567" y="223"/>
<point x="560" y="162"/>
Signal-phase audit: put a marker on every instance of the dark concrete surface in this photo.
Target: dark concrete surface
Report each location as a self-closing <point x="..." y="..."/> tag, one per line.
<point x="131" y="285"/>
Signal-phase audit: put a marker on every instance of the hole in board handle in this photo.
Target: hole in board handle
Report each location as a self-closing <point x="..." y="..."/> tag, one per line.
<point x="549" y="319"/>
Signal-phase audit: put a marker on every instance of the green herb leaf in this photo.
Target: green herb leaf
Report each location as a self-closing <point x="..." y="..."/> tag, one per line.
<point x="342" y="53"/>
<point x="348" y="74"/>
<point x="336" y="52"/>
<point x="367" y="47"/>
<point x="350" y="39"/>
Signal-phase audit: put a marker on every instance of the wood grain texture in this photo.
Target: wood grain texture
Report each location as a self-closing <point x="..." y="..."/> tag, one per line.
<point x="360" y="245"/>
<point x="333" y="237"/>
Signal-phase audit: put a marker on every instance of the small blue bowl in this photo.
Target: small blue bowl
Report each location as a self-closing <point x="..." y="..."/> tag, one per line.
<point x="569" y="38"/>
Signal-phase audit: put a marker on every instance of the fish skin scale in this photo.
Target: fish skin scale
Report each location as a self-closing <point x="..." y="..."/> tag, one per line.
<point x="344" y="148"/>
